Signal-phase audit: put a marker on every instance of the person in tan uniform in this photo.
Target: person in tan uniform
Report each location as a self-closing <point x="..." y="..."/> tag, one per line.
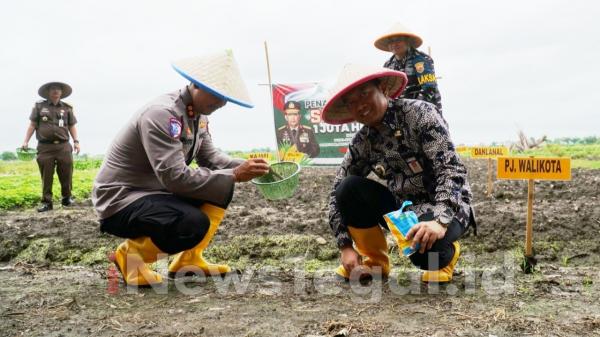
<point x="297" y="134"/>
<point x="146" y="191"/>
<point x="53" y="120"/>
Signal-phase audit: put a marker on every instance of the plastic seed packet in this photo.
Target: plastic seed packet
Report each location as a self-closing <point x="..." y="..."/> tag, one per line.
<point x="400" y="223"/>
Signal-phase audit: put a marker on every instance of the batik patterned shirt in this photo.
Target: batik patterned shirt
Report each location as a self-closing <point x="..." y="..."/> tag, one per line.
<point x="412" y="152"/>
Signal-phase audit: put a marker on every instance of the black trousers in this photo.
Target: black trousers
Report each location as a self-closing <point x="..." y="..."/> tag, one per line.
<point x="363" y="202"/>
<point x="174" y="224"/>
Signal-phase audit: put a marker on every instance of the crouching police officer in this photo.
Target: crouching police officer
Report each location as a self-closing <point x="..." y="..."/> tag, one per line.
<point x="146" y="191"/>
<point x="53" y="120"/>
<point x="406" y="143"/>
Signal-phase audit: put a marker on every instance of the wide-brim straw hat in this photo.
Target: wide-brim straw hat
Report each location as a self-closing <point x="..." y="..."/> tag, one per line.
<point x="66" y="89"/>
<point x="353" y="75"/>
<point x="398" y="30"/>
<point x="217" y="74"/>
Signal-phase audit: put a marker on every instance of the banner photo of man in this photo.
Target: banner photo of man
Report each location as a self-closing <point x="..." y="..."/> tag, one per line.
<point x="301" y="134"/>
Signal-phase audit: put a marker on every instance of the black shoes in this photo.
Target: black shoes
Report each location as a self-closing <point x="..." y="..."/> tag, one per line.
<point x="45" y="207"/>
<point x="67" y="201"/>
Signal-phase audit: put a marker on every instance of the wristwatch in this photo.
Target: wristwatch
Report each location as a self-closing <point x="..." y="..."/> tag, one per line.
<point x="444" y="220"/>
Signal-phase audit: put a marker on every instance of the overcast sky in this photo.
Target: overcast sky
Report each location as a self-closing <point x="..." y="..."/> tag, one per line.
<point x="504" y="65"/>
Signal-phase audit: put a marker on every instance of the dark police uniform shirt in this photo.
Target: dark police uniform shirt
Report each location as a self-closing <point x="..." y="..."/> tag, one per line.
<point x="52" y="121"/>
<point x="151" y="156"/>
<point x="422" y="84"/>
<point x="421" y="165"/>
<point x="304" y="140"/>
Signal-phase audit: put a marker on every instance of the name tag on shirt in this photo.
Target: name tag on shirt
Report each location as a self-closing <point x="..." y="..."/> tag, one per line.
<point x="414" y="165"/>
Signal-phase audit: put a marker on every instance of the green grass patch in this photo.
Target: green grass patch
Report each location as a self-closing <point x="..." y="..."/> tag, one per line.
<point x="274" y="247"/>
<point x="47" y="251"/>
<point x="585" y="164"/>
<point x="21" y="183"/>
<point x="590" y="152"/>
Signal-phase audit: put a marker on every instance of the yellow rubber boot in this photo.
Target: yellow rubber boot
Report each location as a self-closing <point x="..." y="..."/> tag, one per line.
<point x="191" y="261"/>
<point x="131" y="257"/>
<point x="370" y="243"/>
<point x="445" y="274"/>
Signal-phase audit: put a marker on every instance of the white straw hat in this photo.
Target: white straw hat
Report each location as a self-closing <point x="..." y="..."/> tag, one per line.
<point x="217" y="74"/>
<point x="336" y="112"/>
<point x="66" y="89"/>
<point x="396" y="31"/>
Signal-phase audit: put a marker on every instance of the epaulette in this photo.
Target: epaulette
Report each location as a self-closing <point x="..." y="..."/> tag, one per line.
<point x="40" y="101"/>
<point x="307" y="127"/>
<point x="281" y="128"/>
<point x="422" y="55"/>
<point x="67" y="104"/>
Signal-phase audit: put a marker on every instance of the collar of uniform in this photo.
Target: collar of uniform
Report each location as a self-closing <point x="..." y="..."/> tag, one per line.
<point x="409" y="53"/>
<point x="60" y="103"/>
<point x="182" y="102"/>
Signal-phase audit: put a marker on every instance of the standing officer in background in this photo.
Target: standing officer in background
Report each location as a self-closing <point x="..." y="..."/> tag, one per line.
<point x="146" y="191"/>
<point x="417" y="65"/>
<point x="297" y="134"/>
<point x="53" y="120"/>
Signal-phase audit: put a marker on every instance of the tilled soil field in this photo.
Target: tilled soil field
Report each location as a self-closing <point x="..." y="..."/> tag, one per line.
<point x="56" y="278"/>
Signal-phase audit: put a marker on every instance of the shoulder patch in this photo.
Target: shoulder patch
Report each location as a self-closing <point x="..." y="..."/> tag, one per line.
<point x="420" y="67"/>
<point x="174" y="127"/>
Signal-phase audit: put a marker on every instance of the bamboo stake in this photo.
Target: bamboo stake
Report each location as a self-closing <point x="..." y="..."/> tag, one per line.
<point x="271" y="95"/>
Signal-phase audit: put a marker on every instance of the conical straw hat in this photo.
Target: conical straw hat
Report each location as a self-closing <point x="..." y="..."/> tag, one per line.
<point x="398" y="30"/>
<point x="66" y="89"/>
<point x="336" y="112"/>
<point x="217" y="74"/>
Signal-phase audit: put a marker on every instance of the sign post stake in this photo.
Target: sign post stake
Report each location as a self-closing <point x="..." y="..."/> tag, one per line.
<point x="490" y="183"/>
<point x="529" y="228"/>
<point x="532" y="169"/>
<point x="490" y="153"/>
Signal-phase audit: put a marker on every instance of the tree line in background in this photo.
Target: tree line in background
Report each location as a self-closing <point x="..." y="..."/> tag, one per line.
<point x="575" y="140"/>
<point x="590" y="140"/>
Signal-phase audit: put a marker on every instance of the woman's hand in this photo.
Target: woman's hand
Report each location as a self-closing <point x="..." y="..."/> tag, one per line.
<point x="425" y="233"/>
<point x="350" y="259"/>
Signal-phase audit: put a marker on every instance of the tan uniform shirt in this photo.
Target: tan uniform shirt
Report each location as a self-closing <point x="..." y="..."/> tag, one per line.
<point x="151" y="156"/>
<point x="52" y="121"/>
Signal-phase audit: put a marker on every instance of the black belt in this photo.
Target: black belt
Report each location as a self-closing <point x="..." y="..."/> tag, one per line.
<point x="52" y="141"/>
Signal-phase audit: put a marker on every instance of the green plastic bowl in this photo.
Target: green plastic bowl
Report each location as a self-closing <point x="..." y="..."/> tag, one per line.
<point x="26" y="155"/>
<point x="274" y="189"/>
